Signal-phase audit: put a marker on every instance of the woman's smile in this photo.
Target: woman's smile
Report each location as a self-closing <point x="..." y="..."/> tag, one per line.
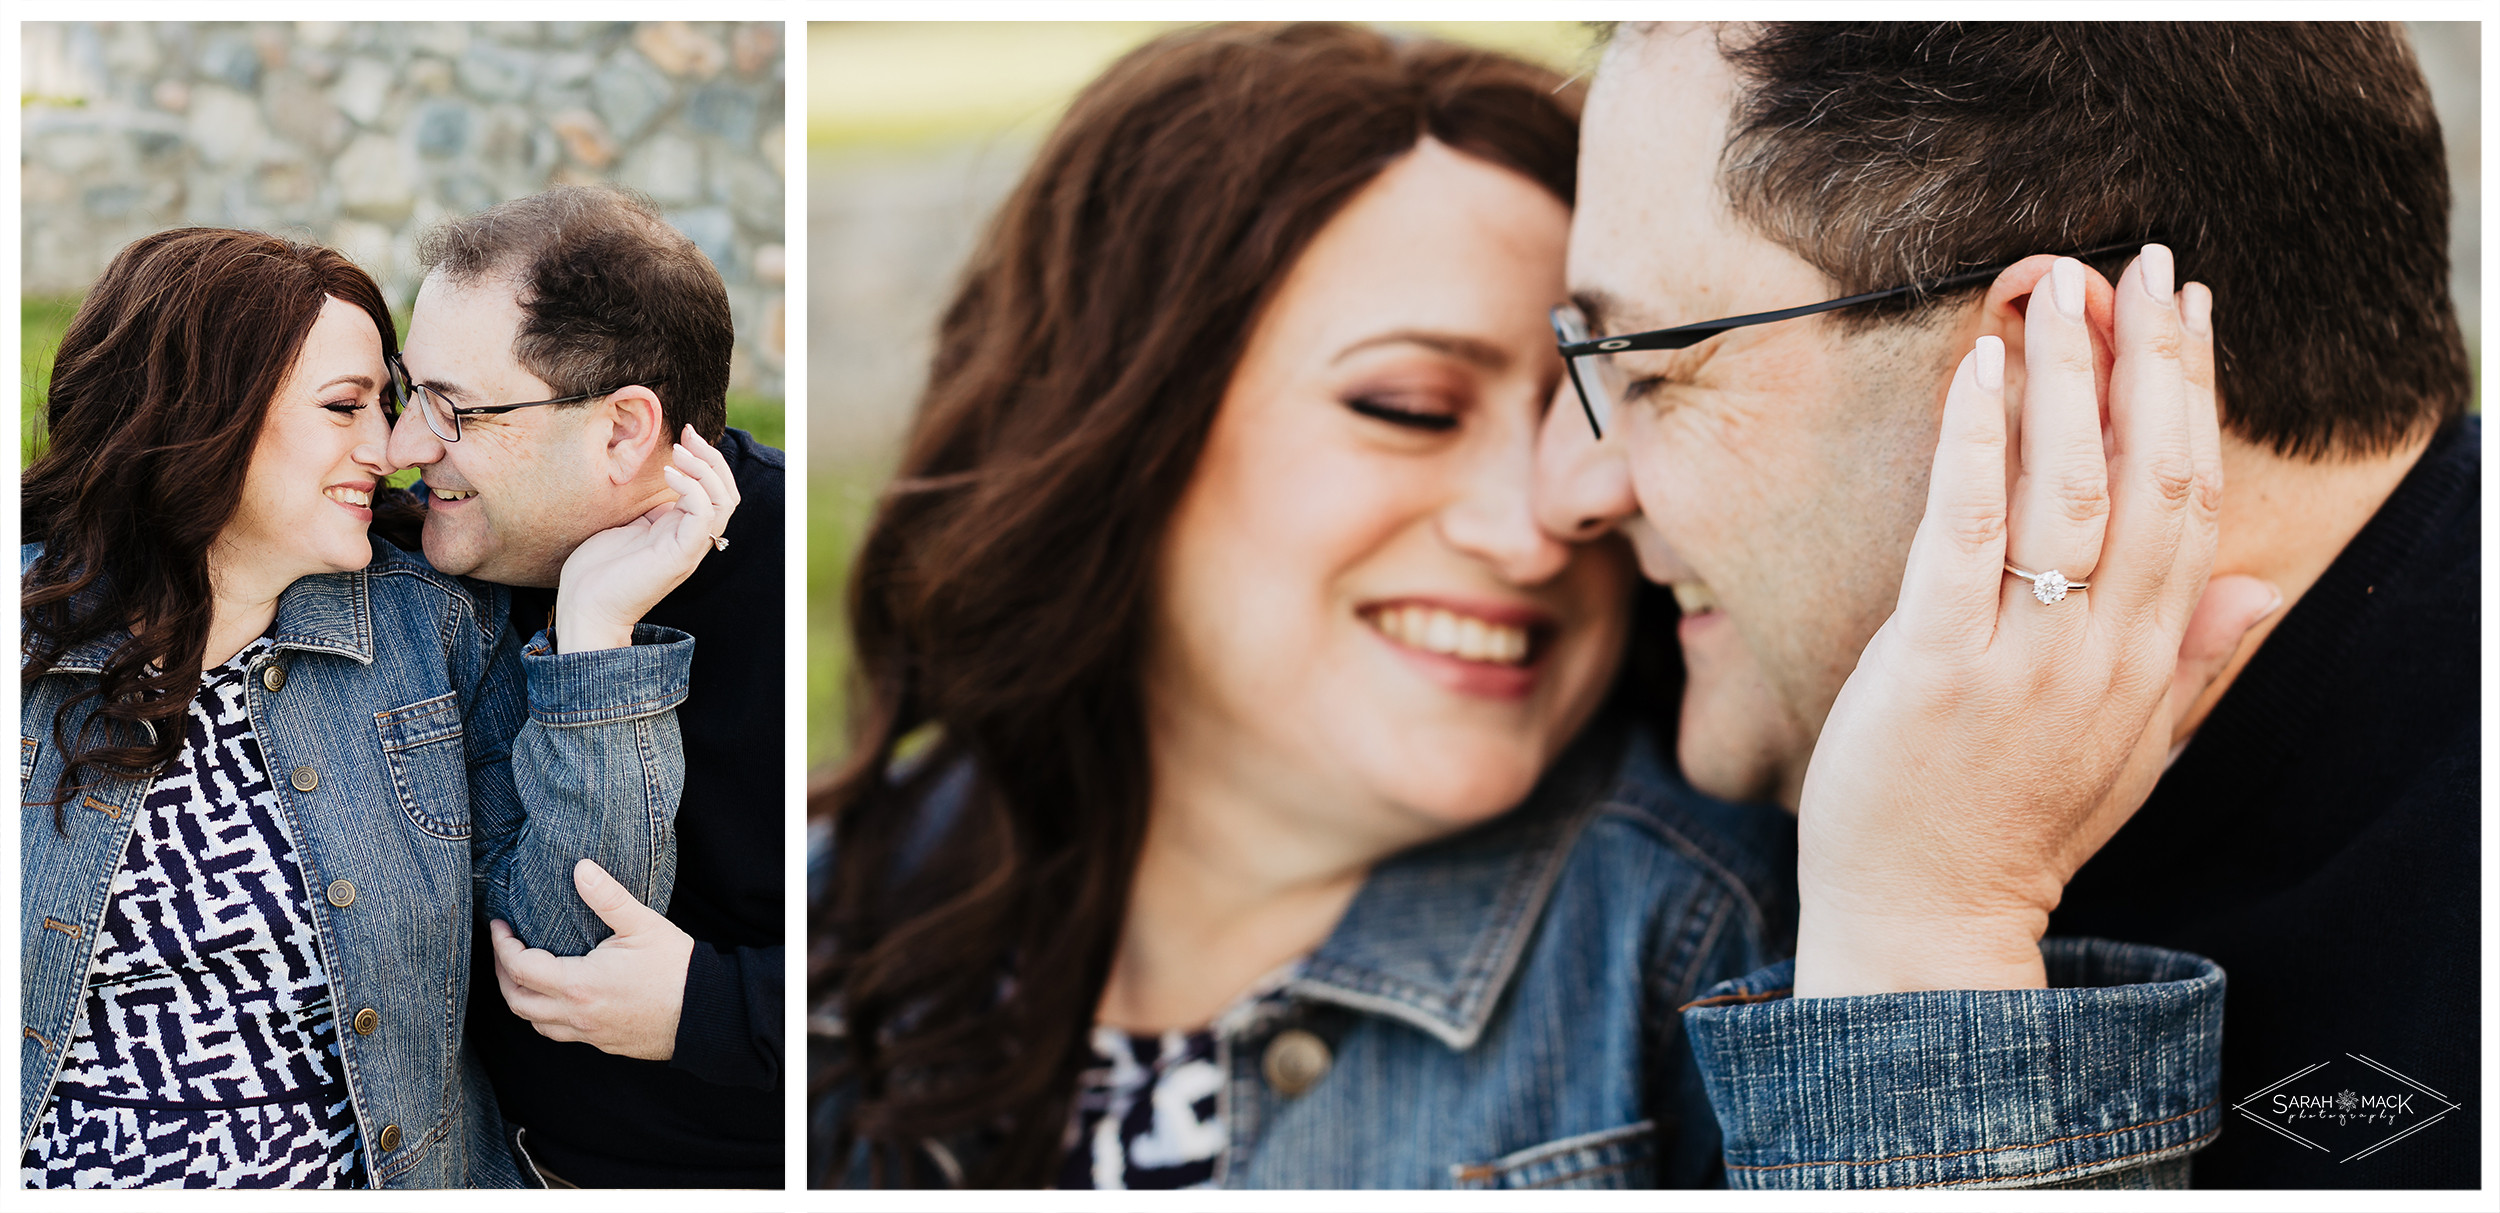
<point x="1473" y="648"/>
<point x="356" y="497"/>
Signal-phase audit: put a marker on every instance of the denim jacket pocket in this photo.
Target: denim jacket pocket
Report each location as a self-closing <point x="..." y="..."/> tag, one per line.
<point x="1609" y="1158"/>
<point x="429" y="767"/>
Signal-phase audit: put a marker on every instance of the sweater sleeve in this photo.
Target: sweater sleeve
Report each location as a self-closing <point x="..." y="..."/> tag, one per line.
<point x="729" y="1026"/>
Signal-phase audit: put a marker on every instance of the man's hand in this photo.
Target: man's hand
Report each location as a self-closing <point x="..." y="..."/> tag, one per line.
<point x="1989" y="743"/>
<point x="624" y="997"/>
<point x="616" y="576"/>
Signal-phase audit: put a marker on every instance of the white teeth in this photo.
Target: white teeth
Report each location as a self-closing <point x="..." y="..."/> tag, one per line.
<point x="348" y="496"/>
<point x="1694" y="597"/>
<point x="452" y="494"/>
<point x="1466" y="637"/>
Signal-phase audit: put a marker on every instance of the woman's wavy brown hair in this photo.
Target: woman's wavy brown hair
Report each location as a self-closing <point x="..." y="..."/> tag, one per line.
<point x="1001" y="596"/>
<point x="158" y="394"/>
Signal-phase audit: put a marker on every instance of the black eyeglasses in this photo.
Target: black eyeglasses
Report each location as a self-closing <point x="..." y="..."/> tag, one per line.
<point x="1599" y="381"/>
<point x="442" y="416"/>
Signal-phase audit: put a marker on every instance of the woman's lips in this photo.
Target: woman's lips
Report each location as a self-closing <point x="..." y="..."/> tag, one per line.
<point x="356" y="499"/>
<point x="1485" y="650"/>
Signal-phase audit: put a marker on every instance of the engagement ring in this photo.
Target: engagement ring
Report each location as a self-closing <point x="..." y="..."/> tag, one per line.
<point x="2049" y="587"/>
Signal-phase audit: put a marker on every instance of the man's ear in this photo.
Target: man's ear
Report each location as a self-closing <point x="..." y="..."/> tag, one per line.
<point x="637" y="426"/>
<point x="2009" y="299"/>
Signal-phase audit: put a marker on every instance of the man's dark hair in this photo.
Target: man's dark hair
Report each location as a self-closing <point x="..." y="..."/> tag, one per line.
<point x="611" y="296"/>
<point x="2296" y="169"/>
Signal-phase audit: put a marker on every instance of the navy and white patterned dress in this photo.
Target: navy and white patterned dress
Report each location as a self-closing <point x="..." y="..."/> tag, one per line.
<point x="1149" y="1112"/>
<point x="206" y="1053"/>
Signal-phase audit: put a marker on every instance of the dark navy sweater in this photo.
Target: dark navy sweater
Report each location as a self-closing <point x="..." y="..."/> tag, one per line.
<point x="2319" y="838"/>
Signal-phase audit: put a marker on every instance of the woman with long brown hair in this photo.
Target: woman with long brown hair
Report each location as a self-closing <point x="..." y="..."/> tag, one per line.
<point x="1244" y="789"/>
<point x="266" y="757"/>
<point x="1209" y="576"/>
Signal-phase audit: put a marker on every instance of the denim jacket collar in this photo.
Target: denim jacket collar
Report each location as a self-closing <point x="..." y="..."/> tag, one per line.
<point x="1436" y="934"/>
<point x="331" y="613"/>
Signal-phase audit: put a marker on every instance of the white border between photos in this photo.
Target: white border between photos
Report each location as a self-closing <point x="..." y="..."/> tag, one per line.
<point x="795" y="14"/>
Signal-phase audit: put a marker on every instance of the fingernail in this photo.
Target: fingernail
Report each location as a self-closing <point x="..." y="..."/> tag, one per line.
<point x="2197" y="312"/>
<point x="2154" y="271"/>
<point x="1991" y="367"/>
<point x="2066" y="286"/>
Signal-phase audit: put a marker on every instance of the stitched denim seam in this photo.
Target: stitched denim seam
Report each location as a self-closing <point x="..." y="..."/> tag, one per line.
<point x="579" y="717"/>
<point x="2179" y="1148"/>
<point x="1706" y="917"/>
<point x="398" y="721"/>
<point x="1585" y="1172"/>
<point x="655" y="815"/>
<point x="2029" y="1145"/>
<point x="1522" y="901"/>
<point x="1678" y="841"/>
<point x="1699" y="840"/>
<point x="397" y="760"/>
<point x="1458" y="1016"/>
<point x="1731" y="1000"/>
<point x="1616" y="1138"/>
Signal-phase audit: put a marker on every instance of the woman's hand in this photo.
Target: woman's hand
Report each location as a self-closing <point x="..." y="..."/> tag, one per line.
<point x="1989" y="742"/>
<point x="616" y="576"/>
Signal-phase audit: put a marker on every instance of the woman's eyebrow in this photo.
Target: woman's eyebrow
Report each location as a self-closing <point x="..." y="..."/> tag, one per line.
<point x="363" y="381"/>
<point x="1475" y="350"/>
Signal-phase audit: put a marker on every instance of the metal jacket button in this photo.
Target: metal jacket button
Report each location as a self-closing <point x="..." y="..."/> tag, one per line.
<point x="366" y="1021"/>
<point x="273" y="676"/>
<point x="342" y="894"/>
<point x="304" y="779"/>
<point x="389" y="1140"/>
<point x="1295" y="1062"/>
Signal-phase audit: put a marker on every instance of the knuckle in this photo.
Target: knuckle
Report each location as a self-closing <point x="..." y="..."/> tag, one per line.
<point x="2081" y="495"/>
<point x="1973" y="529"/>
<point x="2173" y="476"/>
<point x="2205" y="496"/>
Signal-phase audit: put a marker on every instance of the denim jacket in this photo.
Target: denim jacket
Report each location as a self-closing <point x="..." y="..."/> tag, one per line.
<point x="1506" y="1009"/>
<point x="427" y="763"/>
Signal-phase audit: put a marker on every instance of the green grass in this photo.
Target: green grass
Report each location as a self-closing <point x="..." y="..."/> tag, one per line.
<point x="40" y="322"/>
<point x="839" y="500"/>
<point x="758" y="415"/>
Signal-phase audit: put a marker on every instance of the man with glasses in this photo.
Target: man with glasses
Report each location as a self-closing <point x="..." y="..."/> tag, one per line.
<point x="566" y="366"/>
<point x="1786" y="238"/>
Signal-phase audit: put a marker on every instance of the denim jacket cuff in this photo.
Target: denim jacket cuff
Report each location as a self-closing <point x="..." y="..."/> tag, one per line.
<point x="608" y="684"/>
<point x="2116" y="1066"/>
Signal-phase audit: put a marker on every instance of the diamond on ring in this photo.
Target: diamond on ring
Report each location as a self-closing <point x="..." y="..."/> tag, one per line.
<point x="2049" y="587"/>
<point x="720" y="543"/>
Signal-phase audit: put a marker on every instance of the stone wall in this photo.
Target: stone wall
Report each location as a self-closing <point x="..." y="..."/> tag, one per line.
<point x="359" y="135"/>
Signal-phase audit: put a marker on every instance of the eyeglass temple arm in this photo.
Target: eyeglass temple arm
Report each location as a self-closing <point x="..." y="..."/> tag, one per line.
<point x="1695" y="334"/>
